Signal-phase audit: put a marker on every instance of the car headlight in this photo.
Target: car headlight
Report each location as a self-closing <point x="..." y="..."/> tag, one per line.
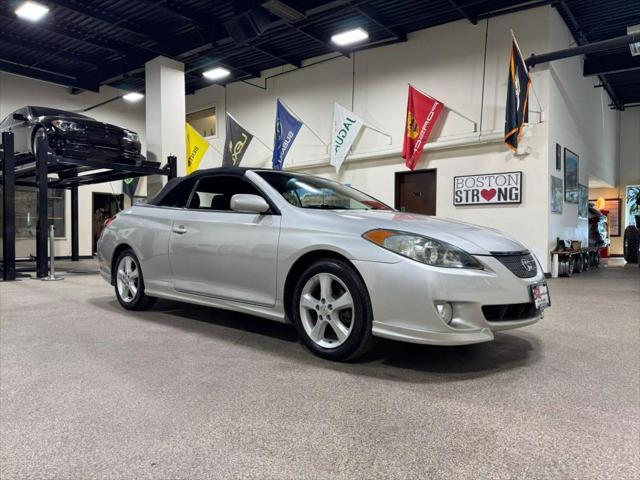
<point x="131" y="136"/>
<point x="422" y="249"/>
<point x="67" y="125"/>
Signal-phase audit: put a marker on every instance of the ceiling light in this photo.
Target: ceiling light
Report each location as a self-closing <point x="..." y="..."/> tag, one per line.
<point x="284" y="11"/>
<point x="349" y="37"/>
<point x="635" y="47"/>
<point x="31" y="11"/>
<point x="133" y="97"/>
<point x="216" y="73"/>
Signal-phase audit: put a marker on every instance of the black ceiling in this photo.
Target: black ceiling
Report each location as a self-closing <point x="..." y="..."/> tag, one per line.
<point x="85" y="44"/>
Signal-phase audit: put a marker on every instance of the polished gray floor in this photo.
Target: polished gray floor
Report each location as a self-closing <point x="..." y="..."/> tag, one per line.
<point x="91" y="391"/>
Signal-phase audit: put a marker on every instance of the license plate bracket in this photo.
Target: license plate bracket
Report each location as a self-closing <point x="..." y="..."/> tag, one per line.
<point x="540" y="295"/>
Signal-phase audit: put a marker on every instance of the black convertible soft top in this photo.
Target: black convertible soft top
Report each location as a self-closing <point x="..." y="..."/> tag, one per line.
<point x="191" y="179"/>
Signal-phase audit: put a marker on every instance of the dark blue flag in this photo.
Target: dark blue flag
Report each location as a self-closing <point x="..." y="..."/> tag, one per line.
<point x="287" y="128"/>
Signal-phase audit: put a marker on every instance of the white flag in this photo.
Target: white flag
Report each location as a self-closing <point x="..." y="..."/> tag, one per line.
<point x="346" y="127"/>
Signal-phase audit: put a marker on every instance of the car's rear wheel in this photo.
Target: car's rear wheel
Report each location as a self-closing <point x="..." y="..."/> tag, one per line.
<point x="130" y="284"/>
<point x="332" y="311"/>
<point x="631" y="243"/>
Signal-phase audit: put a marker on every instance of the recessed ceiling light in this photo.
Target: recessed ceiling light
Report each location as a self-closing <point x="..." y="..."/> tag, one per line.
<point x="133" y="97"/>
<point x="349" y="37"/>
<point x="31" y="11"/>
<point x="216" y="73"/>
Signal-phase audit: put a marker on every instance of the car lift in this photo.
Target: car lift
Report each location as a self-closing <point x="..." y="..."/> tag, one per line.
<point x="34" y="171"/>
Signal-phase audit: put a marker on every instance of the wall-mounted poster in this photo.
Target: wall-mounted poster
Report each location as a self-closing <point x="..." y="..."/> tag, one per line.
<point x="557" y="195"/>
<point x="571" y="194"/>
<point x="632" y="206"/>
<point x="488" y="189"/>
<point x="583" y="201"/>
<point x="558" y="157"/>
<point x="612" y="205"/>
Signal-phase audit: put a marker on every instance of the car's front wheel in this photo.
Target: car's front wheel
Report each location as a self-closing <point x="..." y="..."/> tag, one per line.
<point x="130" y="284"/>
<point x="332" y="311"/>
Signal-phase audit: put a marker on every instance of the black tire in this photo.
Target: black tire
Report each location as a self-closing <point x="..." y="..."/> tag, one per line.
<point x="360" y="339"/>
<point x="39" y="131"/>
<point x="586" y="261"/>
<point x="139" y="300"/>
<point x="577" y="263"/>
<point x="631" y="243"/>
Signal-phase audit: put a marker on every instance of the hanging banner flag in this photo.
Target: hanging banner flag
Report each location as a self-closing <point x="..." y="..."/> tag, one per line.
<point x="517" y="97"/>
<point x="422" y="113"/>
<point x="346" y="127"/>
<point x="236" y="143"/>
<point x="287" y="128"/>
<point x="196" y="148"/>
<point x="129" y="186"/>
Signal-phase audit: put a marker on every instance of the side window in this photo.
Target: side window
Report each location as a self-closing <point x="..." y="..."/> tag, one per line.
<point x="215" y="192"/>
<point x="179" y="195"/>
<point x="6" y="123"/>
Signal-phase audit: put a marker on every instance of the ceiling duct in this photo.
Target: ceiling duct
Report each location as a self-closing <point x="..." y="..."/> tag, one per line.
<point x="284" y="11"/>
<point x="247" y="26"/>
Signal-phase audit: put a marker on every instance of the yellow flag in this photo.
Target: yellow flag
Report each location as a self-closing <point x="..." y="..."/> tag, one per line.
<point x="196" y="148"/>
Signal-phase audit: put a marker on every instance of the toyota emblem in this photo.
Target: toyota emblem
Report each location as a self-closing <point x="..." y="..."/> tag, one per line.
<point x="527" y="264"/>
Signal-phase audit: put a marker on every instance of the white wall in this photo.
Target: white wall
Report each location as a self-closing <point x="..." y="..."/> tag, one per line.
<point x="447" y="62"/>
<point x="17" y="92"/>
<point x="580" y="120"/>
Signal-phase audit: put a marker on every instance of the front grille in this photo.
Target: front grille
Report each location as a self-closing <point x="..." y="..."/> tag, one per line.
<point x="104" y="135"/>
<point x="508" y="312"/>
<point x="518" y="264"/>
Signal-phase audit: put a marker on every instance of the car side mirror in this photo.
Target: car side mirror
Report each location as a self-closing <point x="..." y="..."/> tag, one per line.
<point x="20" y="117"/>
<point x="247" y="203"/>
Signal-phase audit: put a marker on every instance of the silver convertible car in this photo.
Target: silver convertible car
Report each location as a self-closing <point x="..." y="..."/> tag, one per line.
<point x="341" y="266"/>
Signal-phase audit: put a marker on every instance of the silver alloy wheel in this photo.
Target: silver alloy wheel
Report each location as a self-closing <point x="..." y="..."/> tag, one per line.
<point x="327" y="310"/>
<point x="128" y="278"/>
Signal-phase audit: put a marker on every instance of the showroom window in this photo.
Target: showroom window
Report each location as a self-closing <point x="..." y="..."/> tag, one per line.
<point x="204" y="121"/>
<point x="27" y="211"/>
<point x="214" y="193"/>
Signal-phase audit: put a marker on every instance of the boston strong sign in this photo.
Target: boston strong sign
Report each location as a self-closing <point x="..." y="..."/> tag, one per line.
<point x="488" y="189"/>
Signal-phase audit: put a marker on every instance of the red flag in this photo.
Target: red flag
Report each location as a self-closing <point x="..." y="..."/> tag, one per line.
<point x="422" y="113"/>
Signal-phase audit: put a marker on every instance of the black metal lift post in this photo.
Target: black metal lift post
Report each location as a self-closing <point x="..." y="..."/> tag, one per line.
<point x="42" y="227"/>
<point x="8" y="208"/>
<point x="75" y="240"/>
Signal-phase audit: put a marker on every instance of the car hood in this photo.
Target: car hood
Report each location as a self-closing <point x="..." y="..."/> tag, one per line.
<point x="473" y="239"/>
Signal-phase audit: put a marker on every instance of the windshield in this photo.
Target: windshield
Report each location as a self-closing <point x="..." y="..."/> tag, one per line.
<point x="50" y="112"/>
<point x="314" y="192"/>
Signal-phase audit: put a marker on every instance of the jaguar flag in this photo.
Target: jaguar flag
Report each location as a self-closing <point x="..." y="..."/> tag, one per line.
<point x="129" y="186"/>
<point x="517" y="97"/>
<point x="346" y="127"/>
<point x="196" y="148"/>
<point x="236" y="143"/>
<point x="287" y="128"/>
<point x="422" y="113"/>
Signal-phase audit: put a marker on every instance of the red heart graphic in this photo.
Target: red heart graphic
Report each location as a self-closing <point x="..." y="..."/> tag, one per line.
<point x="488" y="194"/>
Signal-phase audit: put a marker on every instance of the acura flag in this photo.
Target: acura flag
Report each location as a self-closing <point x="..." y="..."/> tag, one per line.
<point x="236" y="143"/>
<point x="422" y="113"/>
<point x="346" y="127"/>
<point x="129" y="186"/>
<point x="517" y="98"/>
<point x="287" y="128"/>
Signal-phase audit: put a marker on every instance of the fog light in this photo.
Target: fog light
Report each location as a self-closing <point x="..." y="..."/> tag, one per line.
<point x="445" y="310"/>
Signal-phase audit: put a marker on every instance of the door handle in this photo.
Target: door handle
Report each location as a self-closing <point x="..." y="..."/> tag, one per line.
<point x="180" y="229"/>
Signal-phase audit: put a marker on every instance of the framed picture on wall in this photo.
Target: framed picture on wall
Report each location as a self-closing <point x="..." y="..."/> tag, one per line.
<point x="583" y="198"/>
<point x="571" y="193"/>
<point x="558" y="157"/>
<point x="556" y="198"/>
<point x="632" y="204"/>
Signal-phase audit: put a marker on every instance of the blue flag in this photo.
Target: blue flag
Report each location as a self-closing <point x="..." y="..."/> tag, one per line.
<point x="287" y="128"/>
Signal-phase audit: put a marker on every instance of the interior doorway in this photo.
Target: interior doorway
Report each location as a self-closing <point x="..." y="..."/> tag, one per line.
<point x="416" y="191"/>
<point x="105" y="205"/>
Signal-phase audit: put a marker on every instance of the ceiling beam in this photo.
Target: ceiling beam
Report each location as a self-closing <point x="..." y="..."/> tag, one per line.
<point x="620" y="62"/>
<point x="21" y="41"/>
<point x="45" y="76"/>
<point x="277" y="55"/>
<point x="472" y="19"/>
<point x="376" y="17"/>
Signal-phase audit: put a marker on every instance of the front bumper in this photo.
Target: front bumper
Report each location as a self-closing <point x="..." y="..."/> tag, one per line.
<point x="403" y="295"/>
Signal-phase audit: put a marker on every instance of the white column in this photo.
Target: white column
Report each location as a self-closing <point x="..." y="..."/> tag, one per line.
<point x="165" y="115"/>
